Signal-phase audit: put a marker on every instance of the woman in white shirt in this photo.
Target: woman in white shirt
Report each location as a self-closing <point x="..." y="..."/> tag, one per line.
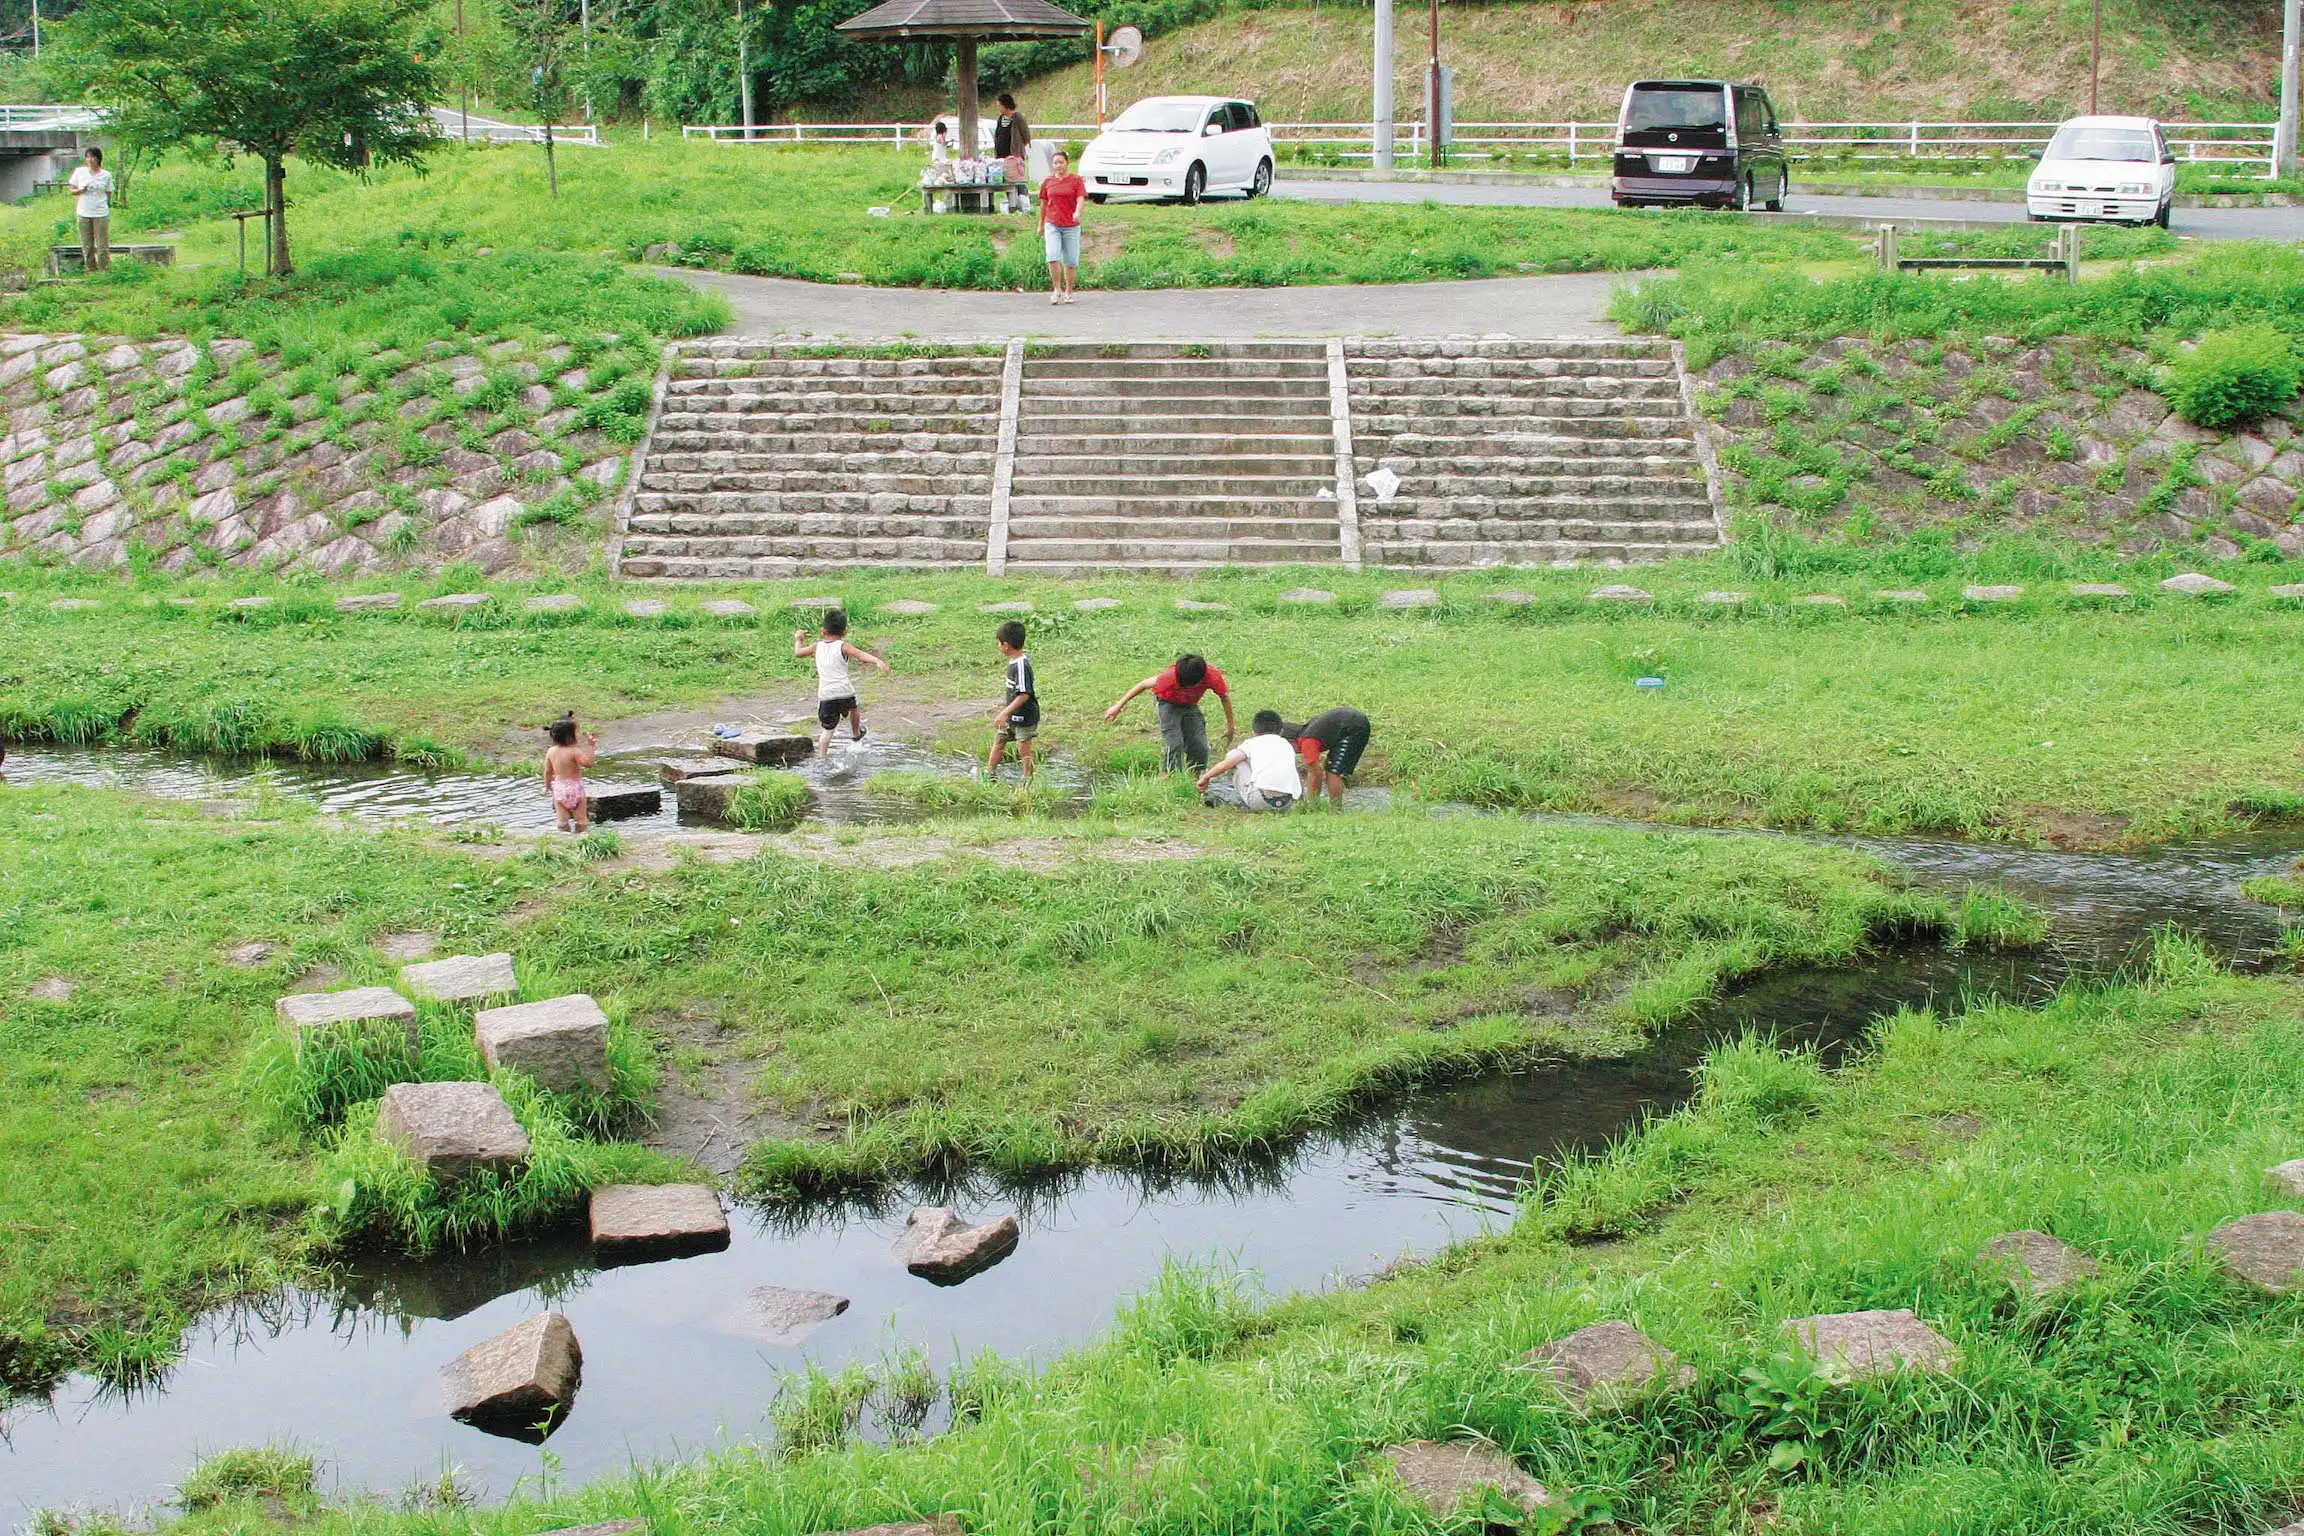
<point x="1267" y="777"/>
<point x="93" y="184"/>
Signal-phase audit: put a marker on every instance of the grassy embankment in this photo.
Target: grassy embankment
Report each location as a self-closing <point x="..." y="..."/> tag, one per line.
<point x="2155" y="1398"/>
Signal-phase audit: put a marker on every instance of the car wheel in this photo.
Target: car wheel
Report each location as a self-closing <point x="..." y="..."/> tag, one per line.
<point x="1098" y="198"/>
<point x="1195" y="183"/>
<point x="2161" y="218"/>
<point x="1262" y="185"/>
<point x="1783" y="185"/>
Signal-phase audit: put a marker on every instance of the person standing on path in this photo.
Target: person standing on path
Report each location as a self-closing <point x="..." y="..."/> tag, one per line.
<point x="1011" y="145"/>
<point x="1060" y="198"/>
<point x="1177" y="693"/>
<point x="1018" y="718"/>
<point x="1330" y="744"/>
<point x="93" y="204"/>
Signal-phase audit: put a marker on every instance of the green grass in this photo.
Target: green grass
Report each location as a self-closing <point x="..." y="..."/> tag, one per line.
<point x="771" y="802"/>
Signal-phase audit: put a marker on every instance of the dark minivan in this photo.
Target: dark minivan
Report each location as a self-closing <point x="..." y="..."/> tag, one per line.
<point x="1711" y="142"/>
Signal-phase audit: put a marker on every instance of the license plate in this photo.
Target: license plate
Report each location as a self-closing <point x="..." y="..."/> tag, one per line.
<point x="1674" y="165"/>
<point x="2089" y="210"/>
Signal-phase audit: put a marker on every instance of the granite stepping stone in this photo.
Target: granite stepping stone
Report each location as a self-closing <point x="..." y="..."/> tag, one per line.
<point x="678" y="772"/>
<point x="2286" y="1178"/>
<point x="1306" y="596"/>
<point x="1610" y="1359"/>
<point x="1617" y="592"/>
<point x="814" y="602"/>
<point x="53" y="989"/>
<point x="2193" y="584"/>
<point x="553" y="602"/>
<point x="1008" y="607"/>
<point x="2098" y="589"/>
<point x="456" y="602"/>
<point x="1991" y="594"/>
<point x="650" y="1221"/>
<point x="453" y="1130"/>
<point x="2034" y="1261"/>
<point x="1446" y="1477"/>
<point x="604" y="1528"/>
<point x="461" y="978"/>
<point x="358" y="1009"/>
<point x="942" y="1525"/>
<point x="647" y="608"/>
<point x="774" y="1315"/>
<point x="518" y="1383"/>
<point x="251" y="954"/>
<point x="938" y="1246"/>
<point x="614" y="802"/>
<point x="1193" y="605"/>
<point x="1823" y="600"/>
<point x="707" y="797"/>
<point x="250" y="604"/>
<point x="1901" y="595"/>
<point x="773" y="749"/>
<point x="2293" y="591"/>
<point x="1413" y="597"/>
<point x="908" y="608"/>
<point x="367" y="602"/>
<point x="561" y="1042"/>
<point x="408" y="946"/>
<point x="727" y="608"/>
<point x="1096" y="604"/>
<point x="1723" y="599"/>
<point x="1867" y="1344"/>
<point x="1515" y="599"/>
<point x="2265" y="1250"/>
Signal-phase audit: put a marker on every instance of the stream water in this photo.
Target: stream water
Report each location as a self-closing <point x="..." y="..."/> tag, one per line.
<point x="672" y="1365"/>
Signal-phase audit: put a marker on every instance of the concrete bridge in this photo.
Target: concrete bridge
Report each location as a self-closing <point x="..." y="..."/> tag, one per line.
<point x="41" y="143"/>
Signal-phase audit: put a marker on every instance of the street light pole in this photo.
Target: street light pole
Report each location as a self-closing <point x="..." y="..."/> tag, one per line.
<point x="744" y="68"/>
<point x="1381" y="129"/>
<point x="1432" y="88"/>
<point x="2095" y="51"/>
<point x="584" y="21"/>
<point x="2291" y="44"/>
<point x="464" y="70"/>
<point x="35" y="28"/>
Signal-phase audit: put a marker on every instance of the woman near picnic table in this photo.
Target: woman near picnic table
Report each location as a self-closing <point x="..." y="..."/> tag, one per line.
<point x="1060" y="198"/>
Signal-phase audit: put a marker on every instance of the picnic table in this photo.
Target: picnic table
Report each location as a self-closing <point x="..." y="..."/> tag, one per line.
<point x="967" y="197"/>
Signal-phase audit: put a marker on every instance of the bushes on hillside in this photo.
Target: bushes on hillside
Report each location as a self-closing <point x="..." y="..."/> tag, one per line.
<point x="2234" y="376"/>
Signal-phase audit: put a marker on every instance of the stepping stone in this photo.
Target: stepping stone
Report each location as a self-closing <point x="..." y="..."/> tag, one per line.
<point x="1192" y="605"/>
<point x="942" y="1525"/>
<point x="1303" y="596"/>
<point x="367" y="602"/>
<point x="250" y="604"/>
<point x="1096" y="604"/>
<point x="647" y="608"/>
<point x="408" y="946"/>
<point x="774" y="749"/>
<point x="1413" y="597"/>
<point x="525" y="1376"/>
<point x="604" y="1528"/>
<point x="1981" y="594"/>
<point x="305" y="1012"/>
<point x="73" y="604"/>
<point x="814" y="602"/>
<point x="614" y="802"/>
<point x="937" y="1245"/>
<point x="680" y="772"/>
<point x="1723" y="599"/>
<point x="2287" y="1178"/>
<point x="1617" y="592"/>
<point x="1872" y="1343"/>
<point x="456" y="602"/>
<point x="908" y="608"/>
<point x="707" y="797"/>
<point x="53" y="989"/>
<point x="1901" y="595"/>
<point x="1823" y="600"/>
<point x="2292" y="591"/>
<point x="1516" y="599"/>
<point x="2036" y="1262"/>
<point x="251" y="954"/>
<point x="561" y="1042"/>
<point x="553" y="602"/>
<point x="774" y="1315"/>
<point x="182" y="602"/>
<point x="1444" y="1478"/>
<point x="2265" y="1250"/>
<point x="727" y="608"/>
<point x="461" y="978"/>
<point x="648" y="1221"/>
<point x="2193" y="584"/>
<point x="453" y="1129"/>
<point x="1609" y="1359"/>
<point x="2098" y="589"/>
<point x="1011" y="607"/>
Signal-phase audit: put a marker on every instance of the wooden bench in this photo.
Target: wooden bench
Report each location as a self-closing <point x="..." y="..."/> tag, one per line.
<point x="2063" y="256"/>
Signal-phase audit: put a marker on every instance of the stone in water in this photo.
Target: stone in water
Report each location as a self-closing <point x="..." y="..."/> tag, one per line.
<point x="1609" y="1359"/>
<point x="461" y="978"/>
<point x="359" y="1007"/>
<point x="2036" y="1262"/>
<point x="771" y="749"/>
<point x="707" y="797"/>
<point x="1444" y="1478"/>
<point x="2193" y="584"/>
<point x="1413" y="597"/>
<point x="1872" y="1343"/>
<point x="674" y="772"/>
<point x="561" y="1042"/>
<point x="518" y="1383"/>
<point x="937" y="1245"/>
<point x="613" y="802"/>
<point x="644" y="1221"/>
<point x="774" y="1315"/>
<point x="2265" y="1250"/>
<point x="453" y="1129"/>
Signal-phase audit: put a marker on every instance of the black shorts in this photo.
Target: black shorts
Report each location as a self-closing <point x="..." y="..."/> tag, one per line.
<point x="1344" y="752"/>
<point x="830" y="711"/>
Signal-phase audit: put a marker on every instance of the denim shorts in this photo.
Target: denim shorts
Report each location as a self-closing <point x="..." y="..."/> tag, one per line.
<point x="1063" y="241"/>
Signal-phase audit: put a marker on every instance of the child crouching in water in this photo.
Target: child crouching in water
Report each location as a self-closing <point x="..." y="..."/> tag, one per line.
<point x="835" y="689"/>
<point x="564" y="765"/>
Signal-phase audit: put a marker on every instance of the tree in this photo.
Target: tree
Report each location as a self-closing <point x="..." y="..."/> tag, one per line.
<point x="540" y="32"/>
<point x="336" y="82"/>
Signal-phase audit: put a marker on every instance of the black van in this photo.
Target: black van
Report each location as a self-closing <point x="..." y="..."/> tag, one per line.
<point x="1711" y="142"/>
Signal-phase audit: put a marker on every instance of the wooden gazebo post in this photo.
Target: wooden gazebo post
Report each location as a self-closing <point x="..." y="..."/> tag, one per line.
<point x="966" y="23"/>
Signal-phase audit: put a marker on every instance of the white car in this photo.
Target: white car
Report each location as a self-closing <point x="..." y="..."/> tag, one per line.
<point x="2105" y="168"/>
<point x="1182" y="147"/>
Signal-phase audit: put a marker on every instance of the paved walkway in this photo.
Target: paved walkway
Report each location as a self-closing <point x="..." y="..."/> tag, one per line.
<point x="1572" y="305"/>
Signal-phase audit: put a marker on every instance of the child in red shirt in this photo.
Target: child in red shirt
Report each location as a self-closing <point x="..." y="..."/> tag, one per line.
<point x="1060" y="198"/>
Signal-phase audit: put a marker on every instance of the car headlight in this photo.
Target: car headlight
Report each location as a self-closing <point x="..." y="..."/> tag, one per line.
<point x="1166" y="157"/>
<point x="2133" y="189"/>
<point x="2046" y="186"/>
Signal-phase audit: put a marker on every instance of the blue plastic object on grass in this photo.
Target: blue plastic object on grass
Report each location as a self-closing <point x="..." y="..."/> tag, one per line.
<point x="1648" y="682"/>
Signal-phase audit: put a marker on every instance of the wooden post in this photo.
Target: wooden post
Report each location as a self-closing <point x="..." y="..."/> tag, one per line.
<point x="2071" y="253"/>
<point x="964" y="68"/>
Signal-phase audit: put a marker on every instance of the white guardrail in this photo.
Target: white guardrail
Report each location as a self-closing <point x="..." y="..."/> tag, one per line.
<point x="2240" y="144"/>
<point x="25" y="117"/>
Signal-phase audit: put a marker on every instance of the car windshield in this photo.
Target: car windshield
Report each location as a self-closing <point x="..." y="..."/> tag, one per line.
<point x="1676" y="107"/>
<point x="2088" y="141"/>
<point x="1162" y="117"/>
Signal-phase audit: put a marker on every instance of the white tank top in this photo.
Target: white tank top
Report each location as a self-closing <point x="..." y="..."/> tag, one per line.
<point x="832" y="680"/>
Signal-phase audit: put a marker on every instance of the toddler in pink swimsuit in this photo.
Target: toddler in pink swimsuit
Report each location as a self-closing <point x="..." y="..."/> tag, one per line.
<point x="564" y="765"/>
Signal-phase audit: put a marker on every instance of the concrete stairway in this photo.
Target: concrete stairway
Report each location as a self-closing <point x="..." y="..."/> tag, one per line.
<point x="1173" y="458"/>
<point x="1526" y="453"/>
<point x="775" y="460"/>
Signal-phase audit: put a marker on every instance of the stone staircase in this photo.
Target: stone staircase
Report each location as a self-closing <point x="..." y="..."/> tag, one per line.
<point x="1526" y="453"/>
<point x="1173" y="457"/>
<point x="771" y="459"/>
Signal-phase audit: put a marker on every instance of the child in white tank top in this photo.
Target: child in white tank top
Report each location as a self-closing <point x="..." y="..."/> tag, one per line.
<point x="835" y="689"/>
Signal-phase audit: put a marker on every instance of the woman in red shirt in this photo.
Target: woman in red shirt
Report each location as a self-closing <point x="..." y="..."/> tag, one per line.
<point x="1060" y="197"/>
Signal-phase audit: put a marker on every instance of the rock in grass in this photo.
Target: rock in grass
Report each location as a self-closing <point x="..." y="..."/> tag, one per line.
<point x="2293" y="590"/>
<point x="251" y="604"/>
<point x="1872" y="1343"/>
<point x="1008" y="607"/>
<point x="408" y="946"/>
<point x="647" y="608"/>
<point x="2098" y="589"/>
<point x="461" y="978"/>
<point x="673" y="771"/>
<point x="1412" y="597"/>
<point x="942" y="1525"/>
<point x="2286" y="1178"/>
<point x="908" y="608"/>
<point x="1306" y="597"/>
<point x="1446" y="1477"/>
<point x="251" y="954"/>
<point x="650" y="1221"/>
<point x="1095" y="604"/>
<point x="73" y="605"/>
<point x="819" y="604"/>
<point x="727" y="608"/>
<point x="2036" y="1262"/>
<point x="553" y="602"/>
<point x="520" y="1382"/>
<point x="1617" y="592"/>
<point x="453" y="1129"/>
<point x="1901" y="595"/>
<point x="1991" y="594"/>
<point x="613" y="802"/>
<point x="2264" y="1250"/>
<point x="561" y="1042"/>
<point x="1513" y="599"/>
<point x="1723" y="599"/>
<point x="774" y="1315"/>
<point x="1823" y="600"/>
<point x="456" y="602"/>
<point x="1612" y="1359"/>
<point x="53" y="989"/>
<point x="365" y="602"/>
<point x="360" y="1007"/>
<point x="937" y="1245"/>
<point x="2193" y="584"/>
<point x="1194" y="605"/>
<point x="770" y="749"/>
<point x="604" y="1528"/>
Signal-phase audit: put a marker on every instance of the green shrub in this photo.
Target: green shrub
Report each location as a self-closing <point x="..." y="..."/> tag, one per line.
<point x="2234" y="376"/>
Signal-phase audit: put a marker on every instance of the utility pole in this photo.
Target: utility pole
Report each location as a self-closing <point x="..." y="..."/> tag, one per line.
<point x="35" y="28"/>
<point x="1381" y="131"/>
<point x="744" y="67"/>
<point x="584" y="21"/>
<point x="2095" y="51"/>
<point x="1432" y="87"/>
<point x="464" y="70"/>
<point x="2291" y="42"/>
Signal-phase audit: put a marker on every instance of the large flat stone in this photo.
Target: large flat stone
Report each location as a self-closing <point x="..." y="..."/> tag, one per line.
<point x="650" y="1221"/>
<point x="2193" y="584"/>
<point x="1446" y="1477"/>
<point x="2099" y="589"/>
<point x="358" y="1009"/>
<point x="1412" y="597"/>
<point x="1901" y="595"/>
<point x="676" y="771"/>
<point x="2286" y="1178"/>
<point x="726" y="608"/>
<point x="937" y="1245"/>
<point x="707" y="797"/>
<point x="518" y="1383"/>
<point x="1096" y="604"/>
<point x="774" y="1315"/>
<point x="942" y="1525"/>
<point x="453" y="1129"/>
<point x="366" y="602"/>
<point x="908" y="608"/>
<point x="770" y="749"/>
<point x="1617" y="592"/>
<point x="2265" y="1250"/>
<point x="561" y="1042"/>
<point x="1991" y="594"/>
<point x="2033" y="1261"/>
<point x="1872" y="1343"/>
<point x="457" y="602"/>
<point x="1611" y="1359"/>
<point x="613" y="802"/>
<point x="461" y="978"/>
<point x="1300" y="597"/>
<point x="603" y="1528"/>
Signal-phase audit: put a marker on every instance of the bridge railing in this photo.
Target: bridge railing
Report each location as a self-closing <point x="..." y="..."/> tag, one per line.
<point x="61" y="116"/>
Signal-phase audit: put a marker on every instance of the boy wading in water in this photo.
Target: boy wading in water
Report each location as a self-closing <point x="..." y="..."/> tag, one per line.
<point x="1331" y="743"/>
<point x="835" y="689"/>
<point x="1177" y="693"/>
<point x="564" y="765"/>
<point x="1018" y="718"/>
<point x="1267" y="778"/>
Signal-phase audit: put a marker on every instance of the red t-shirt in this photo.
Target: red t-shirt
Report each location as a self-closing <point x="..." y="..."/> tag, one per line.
<point x="1060" y="199"/>
<point x="1168" y="690"/>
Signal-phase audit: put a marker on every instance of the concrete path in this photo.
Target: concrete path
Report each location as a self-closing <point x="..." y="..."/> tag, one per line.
<point x="1571" y="305"/>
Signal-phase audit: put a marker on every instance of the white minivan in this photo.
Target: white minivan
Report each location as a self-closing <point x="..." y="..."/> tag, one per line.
<point x="2104" y="168"/>
<point x="1183" y="147"/>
